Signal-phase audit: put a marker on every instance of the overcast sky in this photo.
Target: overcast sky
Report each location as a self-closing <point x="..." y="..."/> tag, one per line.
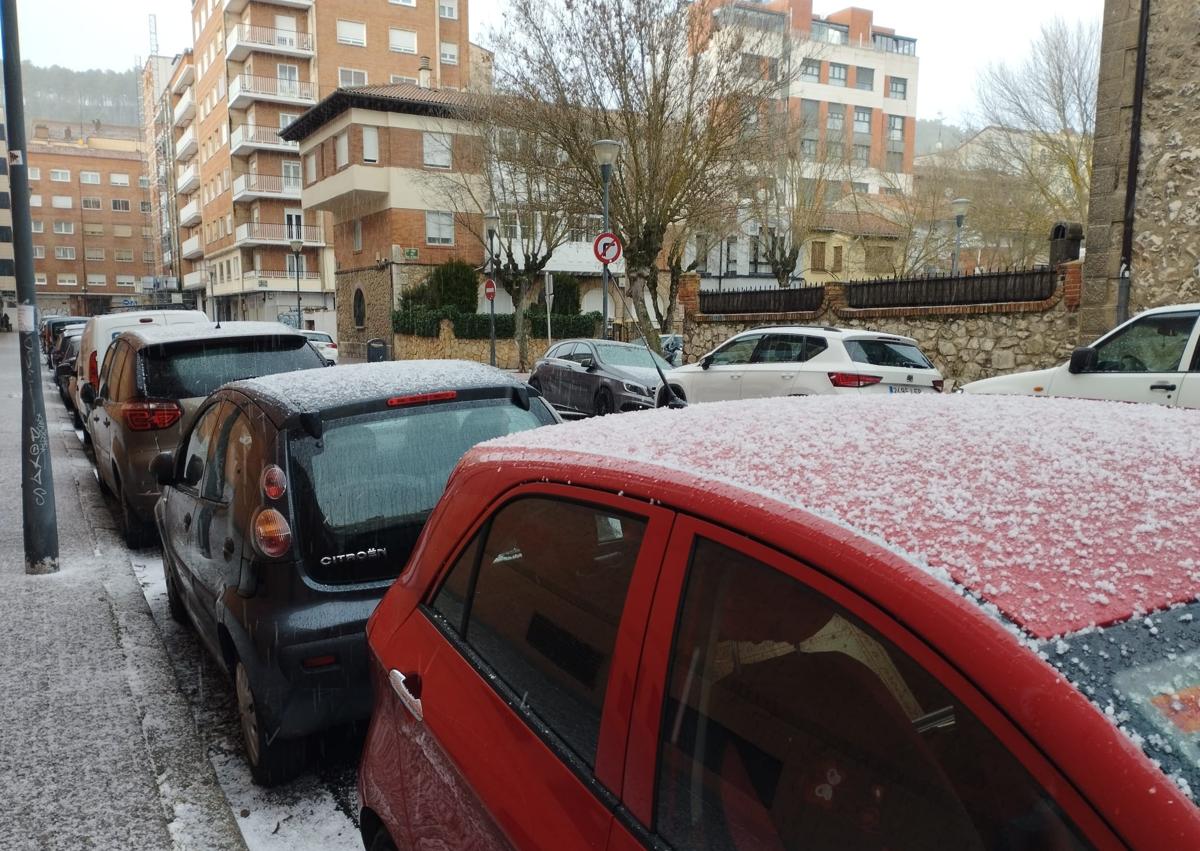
<point x="954" y="40"/>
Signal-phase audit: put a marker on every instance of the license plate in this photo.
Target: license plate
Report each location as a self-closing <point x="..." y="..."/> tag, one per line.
<point x="904" y="388"/>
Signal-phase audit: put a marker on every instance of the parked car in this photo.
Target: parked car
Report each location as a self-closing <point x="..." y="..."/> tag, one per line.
<point x="68" y="352"/>
<point x="55" y="355"/>
<point x="735" y="626"/>
<point x="288" y="510"/>
<point x="672" y="347"/>
<point x="805" y="361"/>
<point x="51" y="330"/>
<point x="598" y="377"/>
<point x="99" y="333"/>
<point x="151" y="384"/>
<point x="324" y="345"/>
<point x="1154" y="357"/>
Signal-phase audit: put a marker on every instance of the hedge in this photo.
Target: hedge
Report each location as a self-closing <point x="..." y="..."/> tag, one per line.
<point x="561" y="327"/>
<point x="420" y="321"/>
<point x="474" y="326"/>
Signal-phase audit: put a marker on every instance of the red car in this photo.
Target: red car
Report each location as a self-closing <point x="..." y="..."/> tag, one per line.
<point x="831" y="623"/>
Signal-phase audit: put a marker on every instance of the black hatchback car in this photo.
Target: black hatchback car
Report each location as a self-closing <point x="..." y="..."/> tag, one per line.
<point x="292" y="503"/>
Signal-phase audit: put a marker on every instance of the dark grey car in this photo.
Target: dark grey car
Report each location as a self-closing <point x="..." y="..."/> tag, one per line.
<point x="598" y="377"/>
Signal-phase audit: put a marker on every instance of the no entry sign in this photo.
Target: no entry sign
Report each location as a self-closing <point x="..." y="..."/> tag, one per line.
<point x="607" y="248"/>
<point x="489" y="289"/>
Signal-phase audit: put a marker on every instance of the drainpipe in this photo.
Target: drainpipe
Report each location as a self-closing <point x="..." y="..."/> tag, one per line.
<point x="1131" y="171"/>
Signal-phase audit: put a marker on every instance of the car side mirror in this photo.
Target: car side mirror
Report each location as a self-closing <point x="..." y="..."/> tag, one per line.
<point x="87" y="394"/>
<point x="163" y="468"/>
<point x="1083" y="359"/>
<point x="64" y="370"/>
<point x="587" y="362"/>
<point x="706" y="361"/>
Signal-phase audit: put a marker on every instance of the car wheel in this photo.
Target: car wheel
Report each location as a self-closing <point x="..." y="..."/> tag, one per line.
<point x="174" y="599"/>
<point x="664" y="398"/>
<point x="381" y="841"/>
<point x="604" y="402"/>
<point x="272" y="760"/>
<point x="136" y="533"/>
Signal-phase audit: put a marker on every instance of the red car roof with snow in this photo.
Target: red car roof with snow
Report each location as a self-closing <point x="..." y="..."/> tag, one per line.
<point x="1063" y="513"/>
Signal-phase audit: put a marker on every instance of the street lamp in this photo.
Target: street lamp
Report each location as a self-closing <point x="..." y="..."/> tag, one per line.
<point x="212" y="289"/>
<point x="297" y="245"/>
<point x="960" y="207"/>
<point x="607" y="151"/>
<point x="491" y="224"/>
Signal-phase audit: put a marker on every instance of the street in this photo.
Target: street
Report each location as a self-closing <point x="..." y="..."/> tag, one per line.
<point x="118" y="730"/>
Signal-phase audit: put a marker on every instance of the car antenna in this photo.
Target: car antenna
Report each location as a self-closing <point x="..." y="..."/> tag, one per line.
<point x="673" y="400"/>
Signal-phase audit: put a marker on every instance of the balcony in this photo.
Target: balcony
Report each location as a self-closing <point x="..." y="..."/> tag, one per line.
<point x="187" y="146"/>
<point x="192" y="249"/>
<point x="248" y="187"/>
<point x="189" y="213"/>
<point x="187" y="179"/>
<point x="195" y="280"/>
<point x="244" y="39"/>
<point x="268" y="233"/>
<point x="187" y="76"/>
<point x="252" y="137"/>
<point x="185" y="110"/>
<point x="263" y="280"/>
<point x="245" y="89"/>
<point x="350" y="193"/>
<point x="236" y="6"/>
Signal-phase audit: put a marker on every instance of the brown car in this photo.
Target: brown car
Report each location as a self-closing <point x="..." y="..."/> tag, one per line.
<point x="153" y="381"/>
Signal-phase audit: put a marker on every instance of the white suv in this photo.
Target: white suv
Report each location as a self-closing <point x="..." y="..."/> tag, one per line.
<point x="1154" y="357"/>
<point x="794" y="360"/>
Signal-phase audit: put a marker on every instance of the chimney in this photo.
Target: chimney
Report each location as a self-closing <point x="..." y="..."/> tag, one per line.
<point x="423" y="74"/>
<point x="41" y="131"/>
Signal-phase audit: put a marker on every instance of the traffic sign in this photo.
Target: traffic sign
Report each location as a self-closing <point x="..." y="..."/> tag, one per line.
<point x="607" y="248"/>
<point x="489" y="289"/>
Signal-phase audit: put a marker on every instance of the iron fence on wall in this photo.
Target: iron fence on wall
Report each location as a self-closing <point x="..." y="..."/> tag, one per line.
<point x="762" y="300"/>
<point x="1034" y="284"/>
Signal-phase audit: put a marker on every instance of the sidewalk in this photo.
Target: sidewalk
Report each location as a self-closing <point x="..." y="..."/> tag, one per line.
<point x="97" y="745"/>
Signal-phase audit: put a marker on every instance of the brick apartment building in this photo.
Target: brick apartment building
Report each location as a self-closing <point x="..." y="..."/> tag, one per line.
<point x="90" y="211"/>
<point x="234" y="185"/>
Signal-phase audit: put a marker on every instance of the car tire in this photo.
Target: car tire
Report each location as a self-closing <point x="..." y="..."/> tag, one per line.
<point x="663" y="399"/>
<point x="604" y="402"/>
<point x="381" y="841"/>
<point x="174" y="598"/>
<point x="272" y="760"/>
<point x="135" y="532"/>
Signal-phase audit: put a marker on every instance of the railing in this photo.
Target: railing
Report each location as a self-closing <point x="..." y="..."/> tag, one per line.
<point x="254" y="275"/>
<point x="1035" y="284"/>
<point x="260" y="135"/>
<point x="763" y="300"/>
<point x="271" y="87"/>
<point x="274" y="232"/>
<point x="269" y="184"/>
<point x="270" y="37"/>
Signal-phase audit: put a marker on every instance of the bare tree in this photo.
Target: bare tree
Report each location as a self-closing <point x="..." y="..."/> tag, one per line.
<point x="674" y="82"/>
<point x="922" y="213"/>
<point x="1041" y="115"/>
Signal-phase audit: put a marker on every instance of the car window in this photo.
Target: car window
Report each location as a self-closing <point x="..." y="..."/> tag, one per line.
<point x="123" y="383"/>
<point x="228" y="473"/>
<point x="1151" y="344"/>
<point x="195" y="455"/>
<point x="780" y="348"/>
<point x="116" y="366"/>
<point x="579" y="353"/>
<point x="197" y="368"/>
<point x="790" y="724"/>
<point x="549" y="586"/>
<point x="813" y="346"/>
<point x="735" y="352"/>
<point x="887" y="353"/>
<point x="561" y="351"/>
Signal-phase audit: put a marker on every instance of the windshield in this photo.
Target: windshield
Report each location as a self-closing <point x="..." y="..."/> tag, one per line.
<point x="1144" y="674"/>
<point x="630" y="356"/>
<point x="198" y="367"/>
<point x="887" y="353"/>
<point x="318" y="337"/>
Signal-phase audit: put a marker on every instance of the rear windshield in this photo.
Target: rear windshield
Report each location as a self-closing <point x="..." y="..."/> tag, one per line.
<point x="197" y="368"/>
<point x="375" y="477"/>
<point x="887" y="353"/>
<point x="1144" y="674"/>
<point x="319" y="338"/>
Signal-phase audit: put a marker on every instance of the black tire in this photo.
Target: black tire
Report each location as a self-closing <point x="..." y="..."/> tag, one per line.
<point x="272" y="760"/>
<point x="137" y="534"/>
<point x="664" y="399"/>
<point x="604" y="402"/>
<point x="174" y="600"/>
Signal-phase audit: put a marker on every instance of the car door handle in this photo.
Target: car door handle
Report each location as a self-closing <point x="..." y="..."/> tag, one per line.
<point x="107" y="421"/>
<point x="787" y="376"/>
<point x="734" y="377"/>
<point x="227" y="550"/>
<point x="400" y="685"/>
<point x="1163" y="385"/>
<point x="187" y="521"/>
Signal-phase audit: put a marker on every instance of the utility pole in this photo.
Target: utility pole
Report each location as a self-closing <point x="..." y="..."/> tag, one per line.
<point x="38" y="513"/>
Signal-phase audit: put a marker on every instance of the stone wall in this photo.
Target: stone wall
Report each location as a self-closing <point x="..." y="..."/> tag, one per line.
<point x="965" y="342"/>
<point x="375" y="283"/>
<point x="447" y="346"/>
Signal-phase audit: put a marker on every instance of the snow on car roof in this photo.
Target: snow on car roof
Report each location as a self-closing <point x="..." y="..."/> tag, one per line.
<point x="1063" y="513"/>
<point x="182" y="331"/>
<point x="317" y="390"/>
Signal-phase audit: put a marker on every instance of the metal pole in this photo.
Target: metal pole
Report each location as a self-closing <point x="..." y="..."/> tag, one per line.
<point x="38" y="513"/>
<point x="606" y="178"/>
<point x="299" y="310"/>
<point x="958" y="221"/>
<point x="492" y="301"/>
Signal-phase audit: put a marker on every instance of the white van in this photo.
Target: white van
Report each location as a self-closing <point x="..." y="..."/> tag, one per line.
<point x="99" y="333"/>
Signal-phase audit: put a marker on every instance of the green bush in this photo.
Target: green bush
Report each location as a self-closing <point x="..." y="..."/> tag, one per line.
<point x="561" y="327"/>
<point x="420" y="321"/>
<point x="475" y="326"/>
<point x="566" y="296"/>
<point x="454" y="284"/>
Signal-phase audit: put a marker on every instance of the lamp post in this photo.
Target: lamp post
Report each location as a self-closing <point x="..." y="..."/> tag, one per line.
<point x="212" y="293"/>
<point x="297" y="245"/>
<point x="491" y="224"/>
<point x="607" y="151"/>
<point x="960" y="207"/>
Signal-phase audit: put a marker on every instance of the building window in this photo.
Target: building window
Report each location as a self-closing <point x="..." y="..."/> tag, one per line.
<point x="358" y="235"/>
<point x="436" y="149"/>
<point x="439" y="228"/>
<point x="702" y="253"/>
<point x="90" y="202"/>
<point x="400" y="78"/>
<point x="818" y="256"/>
<point x="837" y="259"/>
<point x="93" y="254"/>
<point x="448" y="9"/>
<point x="342" y="146"/>
<point x="352" y="32"/>
<point x="118" y="179"/>
<point x="310" y="168"/>
<point x="35" y="173"/>
<point x="864" y="78"/>
<point x="39" y="252"/>
<point x="68" y="279"/>
<point x="836" y="121"/>
<point x="38" y="227"/>
<point x="895" y="128"/>
<point x="64" y="252"/>
<point x="60" y="175"/>
<point x="808" y="148"/>
<point x="144" y="182"/>
<point x="449" y="53"/>
<point x="96" y="280"/>
<point x="402" y="41"/>
<point x="147" y="232"/>
<point x="862" y="154"/>
<point x="93" y="229"/>
<point x="39" y="278"/>
<point x="894" y="161"/>
<point x="120" y="205"/>
<point x="835" y="152"/>
<point x="838" y="74"/>
<point x="898" y="88"/>
<point x="122" y="230"/>
<point x="147" y="256"/>
<point x="61" y="202"/>
<point x="360" y="309"/>
<point x="126" y="280"/>
<point x="409" y="3"/>
<point x="859" y="187"/>
<point x="64" y="227"/>
<point x="810" y="70"/>
<point x="731" y="255"/>
<point x="91" y="178"/>
<point x="862" y="120"/>
<point x="35" y="200"/>
<point x="123" y="255"/>
<point x="370" y="141"/>
<point x="351" y="77"/>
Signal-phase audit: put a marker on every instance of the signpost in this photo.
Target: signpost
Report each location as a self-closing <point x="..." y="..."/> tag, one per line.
<point x="607" y="248"/>
<point x="489" y="292"/>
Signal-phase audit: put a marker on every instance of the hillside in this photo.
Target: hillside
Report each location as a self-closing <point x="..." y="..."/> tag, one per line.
<point x="60" y="94"/>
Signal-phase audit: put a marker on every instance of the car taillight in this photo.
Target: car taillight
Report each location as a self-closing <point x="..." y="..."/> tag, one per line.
<point x="939" y="384"/>
<point x="274" y="482"/>
<point x="853" y="379"/>
<point x="93" y="372"/>
<point x="331" y="345"/>
<point x="272" y="535"/>
<point x="150" y="416"/>
<point x="421" y="399"/>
